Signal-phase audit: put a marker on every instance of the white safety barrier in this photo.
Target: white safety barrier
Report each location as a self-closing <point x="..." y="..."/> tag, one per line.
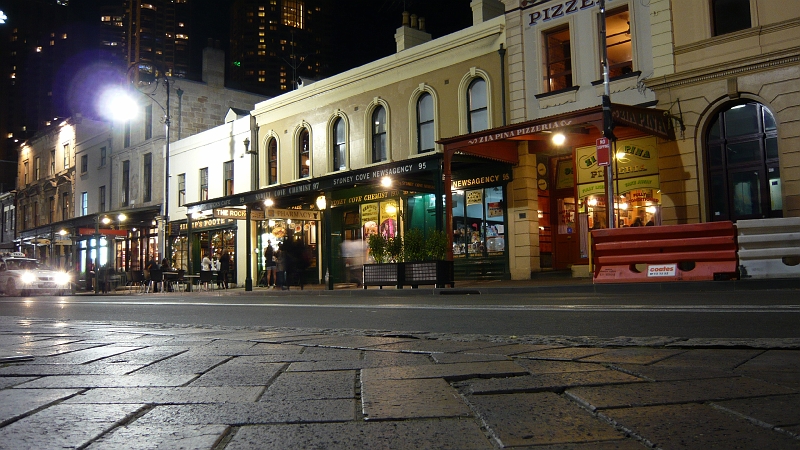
<point x="769" y="248"/>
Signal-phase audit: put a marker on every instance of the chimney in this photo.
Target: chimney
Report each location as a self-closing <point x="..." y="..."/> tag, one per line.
<point x="484" y="10"/>
<point x="213" y="65"/>
<point x="411" y="33"/>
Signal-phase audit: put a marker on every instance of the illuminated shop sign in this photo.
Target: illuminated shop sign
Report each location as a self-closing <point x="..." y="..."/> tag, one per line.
<point x="481" y="180"/>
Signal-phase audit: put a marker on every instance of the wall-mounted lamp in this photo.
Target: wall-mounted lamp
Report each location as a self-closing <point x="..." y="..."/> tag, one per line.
<point x="269" y="202"/>
<point x="321" y="202"/>
<point x="559" y="138"/>
<point x="386" y="182"/>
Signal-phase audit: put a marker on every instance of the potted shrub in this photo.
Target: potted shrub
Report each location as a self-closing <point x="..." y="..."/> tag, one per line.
<point x="382" y="273"/>
<point x="425" y="259"/>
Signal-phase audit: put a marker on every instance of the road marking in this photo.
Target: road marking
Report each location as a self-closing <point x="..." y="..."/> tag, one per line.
<point x="564" y="308"/>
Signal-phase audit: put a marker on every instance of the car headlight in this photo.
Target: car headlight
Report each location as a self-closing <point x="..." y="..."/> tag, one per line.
<point x="28" y="277"/>
<point x="62" y="278"/>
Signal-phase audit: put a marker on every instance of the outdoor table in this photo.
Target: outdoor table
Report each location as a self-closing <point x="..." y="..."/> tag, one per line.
<point x="190" y="280"/>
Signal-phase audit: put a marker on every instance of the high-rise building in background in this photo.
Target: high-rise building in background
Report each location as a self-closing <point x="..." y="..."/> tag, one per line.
<point x="157" y="35"/>
<point x="39" y="40"/>
<point x="276" y="44"/>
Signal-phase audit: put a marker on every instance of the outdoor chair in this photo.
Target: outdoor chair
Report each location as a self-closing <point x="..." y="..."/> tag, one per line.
<point x="206" y="279"/>
<point x="156" y="280"/>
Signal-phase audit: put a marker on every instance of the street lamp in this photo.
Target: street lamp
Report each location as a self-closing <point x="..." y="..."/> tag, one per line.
<point x="122" y="107"/>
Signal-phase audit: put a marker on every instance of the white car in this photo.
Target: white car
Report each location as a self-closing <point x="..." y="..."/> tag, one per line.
<point x="27" y="276"/>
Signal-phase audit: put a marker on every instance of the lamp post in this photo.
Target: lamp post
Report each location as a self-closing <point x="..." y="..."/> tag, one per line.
<point x="608" y="123"/>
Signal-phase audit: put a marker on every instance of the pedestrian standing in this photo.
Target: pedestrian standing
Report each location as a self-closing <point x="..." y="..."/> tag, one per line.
<point x="224" y="268"/>
<point x="270" y="265"/>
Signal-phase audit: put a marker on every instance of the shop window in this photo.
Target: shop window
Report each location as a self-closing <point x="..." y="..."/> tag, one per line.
<point x="204" y="183"/>
<point x="339" y="145"/>
<point x="227" y="173"/>
<point x="730" y="16"/>
<point x="425" y="124"/>
<point x="479" y="223"/>
<point x="558" y="62"/>
<point x="303" y="154"/>
<point x="147" y="177"/>
<point x="618" y="42"/>
<point x="477" y="104"/>
<point x="742" y="164"/>
<point x="272" y="161"/>
<point x="126" y="183"/>
<point x="379" y="134"/>
<point x="181" y="189"/>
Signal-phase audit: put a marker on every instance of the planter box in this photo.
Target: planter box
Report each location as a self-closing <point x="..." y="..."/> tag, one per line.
<point x="382" y="275"/>
<point x="438" y="273"/>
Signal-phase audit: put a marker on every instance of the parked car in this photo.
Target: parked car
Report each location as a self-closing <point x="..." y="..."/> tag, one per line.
<point x="24" y="276"/>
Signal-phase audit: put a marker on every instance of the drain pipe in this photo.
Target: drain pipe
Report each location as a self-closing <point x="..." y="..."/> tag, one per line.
<point x="502" y="53"/>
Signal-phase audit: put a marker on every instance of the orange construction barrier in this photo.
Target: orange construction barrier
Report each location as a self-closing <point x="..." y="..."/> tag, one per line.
<point x="692" y="252"/>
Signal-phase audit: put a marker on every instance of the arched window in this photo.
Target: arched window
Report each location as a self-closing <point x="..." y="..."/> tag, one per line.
<point x="425" y="124"/>
<point x="272" y="161"/>
<point x="379" y="134"/>
<point x="742" y="159"/>
<point x="303" y="154"/>
<point x="478" y="113"/>
<point x="339" y="145"/>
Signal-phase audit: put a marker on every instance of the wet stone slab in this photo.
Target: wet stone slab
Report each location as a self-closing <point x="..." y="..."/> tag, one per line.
<point x="185" y="363"/>
<point x="541" y="366"/>
<point x="775" y="361"/>
<point x="109" y="381"/>
<point x="144" y="356"/>
<point x="563" y="354"/>
<point x="353" y="342"/>
<point x="450" y="358"/>
<point x="553" y="382"/>
<point x="18" y="402"/>
<point x="514" y="349"/>
<point x="406" y="399"/>
<point x="55" y="427"/>
<point x="660" y="393"/>
<point x="295" y="386"/>
<point x="6" y="382"/>
<point x="674" y="373"/>
<point x="441" y="434"/>
<point x="539" y="419"/>
<point x="140" y="437"/>
<point x="447" y="371"/>
<point x="371" y="359"/>
<point x="88" y="355"/>
<point x="633" y="355"/>
<point x="169" y="395"/>
<point x="68" y="369"/>
<point x="275" y="411"/>
<point x="438" y="346"/>
<point x="777" y="411"/>
<point x="708" y="359"/>
<point x="696" y="426"/>
<point x="622" y="444"/>
<point x="239" y="374"/>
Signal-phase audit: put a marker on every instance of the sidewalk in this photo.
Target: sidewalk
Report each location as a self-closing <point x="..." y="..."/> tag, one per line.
<point x="542" y="283"/>
<point x="141" y="386"/>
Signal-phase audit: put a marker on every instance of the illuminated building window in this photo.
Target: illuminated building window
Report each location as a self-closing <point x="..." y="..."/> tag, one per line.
<point x="293" y="13"/>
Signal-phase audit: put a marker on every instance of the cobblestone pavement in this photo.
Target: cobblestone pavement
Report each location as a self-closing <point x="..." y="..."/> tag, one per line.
<point x="117" y="385"/>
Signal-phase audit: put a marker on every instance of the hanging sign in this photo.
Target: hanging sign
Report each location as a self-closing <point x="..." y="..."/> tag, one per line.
<point x="603" y="151"/>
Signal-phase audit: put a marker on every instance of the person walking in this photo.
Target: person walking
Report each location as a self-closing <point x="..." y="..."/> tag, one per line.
<point x="280" y="266"/>
<point x="224" y="268"/>
<point x="270" y="265"/>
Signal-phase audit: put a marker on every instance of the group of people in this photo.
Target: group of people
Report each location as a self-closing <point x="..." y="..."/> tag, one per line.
<point x="284" y="266"/>
<point x="221" y="265"/>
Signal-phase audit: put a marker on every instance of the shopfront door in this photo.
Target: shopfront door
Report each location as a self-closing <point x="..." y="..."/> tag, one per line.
<point x="564" y="215"/>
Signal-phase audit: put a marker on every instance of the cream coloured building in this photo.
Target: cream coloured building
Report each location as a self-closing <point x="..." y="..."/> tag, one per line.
<point x="731" y="70"/>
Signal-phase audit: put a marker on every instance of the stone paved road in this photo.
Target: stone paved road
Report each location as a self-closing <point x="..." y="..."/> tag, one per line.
<point x="117" y="385"/>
